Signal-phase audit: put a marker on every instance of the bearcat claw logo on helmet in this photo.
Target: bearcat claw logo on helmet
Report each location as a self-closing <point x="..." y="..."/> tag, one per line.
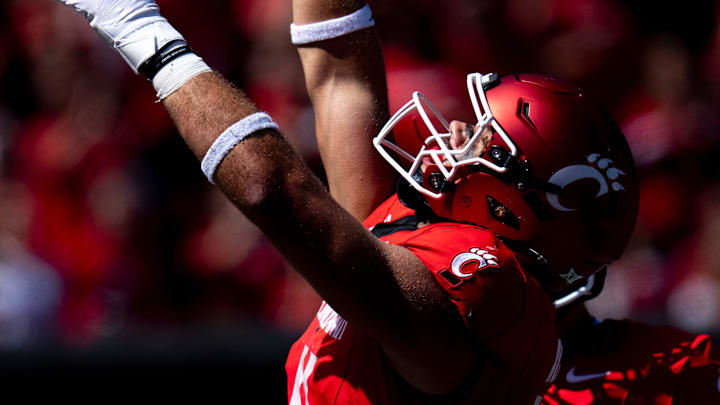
<point x="464" y="265"/>
<point x="552" y="176"/>
<point x="570" y="174"/>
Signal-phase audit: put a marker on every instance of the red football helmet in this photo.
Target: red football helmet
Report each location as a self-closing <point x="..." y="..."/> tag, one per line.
<point x="557" y="182"/>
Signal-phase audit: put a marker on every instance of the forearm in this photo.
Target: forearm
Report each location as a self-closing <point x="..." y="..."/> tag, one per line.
<point x="258" y="170"/>
<point x="345" y="80"/>
<point x="205" y="107"/>
<point x="353" y="61"/>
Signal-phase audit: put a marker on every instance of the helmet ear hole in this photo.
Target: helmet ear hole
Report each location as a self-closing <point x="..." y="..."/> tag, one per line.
<point x="502" y="214"/>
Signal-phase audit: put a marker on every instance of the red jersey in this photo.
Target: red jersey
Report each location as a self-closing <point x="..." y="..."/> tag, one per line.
<point x="509" y="316"/>
<point x="624" y="362"/>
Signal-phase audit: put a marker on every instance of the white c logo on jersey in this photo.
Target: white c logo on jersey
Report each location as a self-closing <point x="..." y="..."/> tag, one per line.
<point x="482" y="257"/>
<point x="570" y="174"/>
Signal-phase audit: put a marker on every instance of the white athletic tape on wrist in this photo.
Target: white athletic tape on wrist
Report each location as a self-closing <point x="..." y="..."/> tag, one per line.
<point x="231" y="137"/>
<point x="328" y="29"/>
<point x="139" y="45"/>
<point x="178" y="72"/>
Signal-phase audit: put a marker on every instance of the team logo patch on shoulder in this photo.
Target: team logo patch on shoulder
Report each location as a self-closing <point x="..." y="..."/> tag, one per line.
<point x="464" y="265"/>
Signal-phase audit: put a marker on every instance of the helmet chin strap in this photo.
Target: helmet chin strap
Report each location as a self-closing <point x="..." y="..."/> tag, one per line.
<point x="584" y="290"/>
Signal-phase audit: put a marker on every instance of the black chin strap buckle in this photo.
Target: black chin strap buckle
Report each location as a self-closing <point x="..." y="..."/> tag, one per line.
<point x="411" y="198"/>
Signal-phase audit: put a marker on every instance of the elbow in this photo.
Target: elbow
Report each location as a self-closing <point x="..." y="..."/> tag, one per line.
<point x="257" y="197"/>
<point x="254" y="192"/>
<point x="252" y="174"/>
<point x="266" y="179"/>
<point x="266" y="182"/>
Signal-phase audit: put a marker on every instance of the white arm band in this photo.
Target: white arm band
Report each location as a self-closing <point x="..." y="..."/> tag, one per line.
<point x="328" y="29"/>
<point x="231" y="137"/>
<point x="178" y="72"/>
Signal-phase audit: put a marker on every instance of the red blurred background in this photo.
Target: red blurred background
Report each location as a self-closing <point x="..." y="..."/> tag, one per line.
<point x="114" y="249"/>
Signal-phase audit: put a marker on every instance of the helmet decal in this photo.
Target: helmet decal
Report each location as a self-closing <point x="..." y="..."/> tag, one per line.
<point x="570" y="174"/>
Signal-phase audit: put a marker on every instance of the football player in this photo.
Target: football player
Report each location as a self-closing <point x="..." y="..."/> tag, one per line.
<point x="541" y="190"/>
<point x="541" y="168"/>
<point x="437" y="314"/>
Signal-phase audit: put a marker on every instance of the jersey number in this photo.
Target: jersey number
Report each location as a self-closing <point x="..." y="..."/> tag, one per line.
<point x="301" y="378"/>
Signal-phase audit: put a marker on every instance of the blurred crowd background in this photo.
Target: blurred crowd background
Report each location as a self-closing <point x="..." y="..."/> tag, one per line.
<point x="111" y="237"/>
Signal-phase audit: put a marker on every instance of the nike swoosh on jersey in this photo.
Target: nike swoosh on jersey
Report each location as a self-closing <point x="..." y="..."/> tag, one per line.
<point x="573" y="378"/>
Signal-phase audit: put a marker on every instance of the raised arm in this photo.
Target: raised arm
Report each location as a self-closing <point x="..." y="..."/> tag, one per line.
<point x="345" y="78"/>
<point x="247" y="157"/>
<point x="408" y="313"/>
